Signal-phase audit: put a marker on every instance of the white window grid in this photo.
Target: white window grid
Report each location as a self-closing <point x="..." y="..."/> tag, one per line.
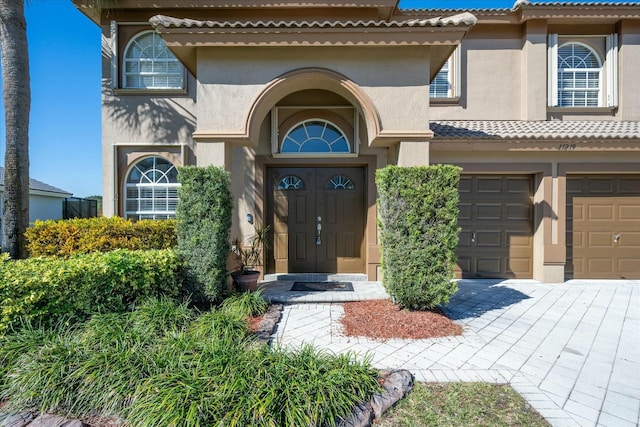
<point x="154" y="195"/>
<point x="579" y="76"/>
<point x="440" y="87"/>
<point x="291" y="139"/>
<point x="447" y="82"/>
<point x="148" y="64"/>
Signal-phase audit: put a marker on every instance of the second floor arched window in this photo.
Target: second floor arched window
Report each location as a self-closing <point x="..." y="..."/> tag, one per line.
<point x="148" y="64"/>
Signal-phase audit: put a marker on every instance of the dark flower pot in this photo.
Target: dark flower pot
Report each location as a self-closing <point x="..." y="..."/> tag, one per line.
<point x="247" y="282"/>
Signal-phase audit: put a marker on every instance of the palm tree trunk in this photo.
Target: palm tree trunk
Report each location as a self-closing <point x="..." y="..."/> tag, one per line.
<point x="17" y="103"/>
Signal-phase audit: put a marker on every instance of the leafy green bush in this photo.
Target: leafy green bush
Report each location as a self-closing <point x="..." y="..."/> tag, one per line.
<point x="68" y="237"/>
<point x="161" y="365"/>
<point x="48" y="288"/>
<point x="417" y="216"/>
<point x="204" y="223"/>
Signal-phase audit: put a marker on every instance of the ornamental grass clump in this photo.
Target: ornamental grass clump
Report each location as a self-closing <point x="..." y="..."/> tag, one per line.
<point x="164" y="364"/>
<point x="246" y="304"/>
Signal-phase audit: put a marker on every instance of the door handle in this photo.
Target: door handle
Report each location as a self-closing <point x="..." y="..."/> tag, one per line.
<point x="473" y="237"/>
<point x="616" y="238"/>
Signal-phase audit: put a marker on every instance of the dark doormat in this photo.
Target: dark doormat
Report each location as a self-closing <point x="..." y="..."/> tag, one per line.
<point x="321" y="286"/>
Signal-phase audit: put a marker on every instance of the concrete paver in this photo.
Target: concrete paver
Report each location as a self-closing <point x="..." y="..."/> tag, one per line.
<point x="572" y="350"/>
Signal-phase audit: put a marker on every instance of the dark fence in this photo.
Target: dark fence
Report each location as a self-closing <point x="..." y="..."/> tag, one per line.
<point x="75" y="207"/>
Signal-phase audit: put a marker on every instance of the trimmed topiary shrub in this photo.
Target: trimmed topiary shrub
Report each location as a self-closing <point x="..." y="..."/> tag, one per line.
<point x="417" y="217"/>
<point x="68" y="237"/>
<point x="46" y="289"/>
<point x="204" y="223"/>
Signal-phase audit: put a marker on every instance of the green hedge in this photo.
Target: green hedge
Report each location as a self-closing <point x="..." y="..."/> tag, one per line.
<point x="45" y="289"/>
<point x="68" y="237"/>
<point x="418" y="213"/>
<point x="204" y="223"/>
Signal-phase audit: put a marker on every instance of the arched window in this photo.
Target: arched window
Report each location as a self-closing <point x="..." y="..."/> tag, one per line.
<point x="291" y="182"/>
<point x="315" y="136"/>
<point x="579" y="76"/>
<point x="340" y="182"/>
<point x="151" y="189"/>
<point x="148" y="64"/>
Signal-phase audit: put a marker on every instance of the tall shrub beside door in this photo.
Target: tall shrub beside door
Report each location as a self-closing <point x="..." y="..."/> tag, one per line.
<point x="204" y="222"/>
<point x="417" y="218"/>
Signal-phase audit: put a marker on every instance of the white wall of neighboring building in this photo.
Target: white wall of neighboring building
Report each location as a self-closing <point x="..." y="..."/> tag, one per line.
<point x="41" y="206"/>
<point x="44" y="207"/>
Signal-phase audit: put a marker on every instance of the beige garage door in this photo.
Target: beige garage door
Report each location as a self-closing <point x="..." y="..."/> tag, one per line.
<point x="603" y="227"/>
<point x="496" y="217"/>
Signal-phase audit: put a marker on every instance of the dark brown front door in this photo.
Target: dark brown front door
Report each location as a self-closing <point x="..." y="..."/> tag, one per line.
<point x="603" y="227"/>
<point x="317" y="215"/>
<point x="496" y="218"/>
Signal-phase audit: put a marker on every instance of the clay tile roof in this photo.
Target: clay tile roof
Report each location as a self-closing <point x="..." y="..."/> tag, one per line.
<point x="520" y="129"/>
<point x="527" y="3"/>
<point x="34" y="184"/>
<point x="575" y="4"/>
<point x="462" y="19"/>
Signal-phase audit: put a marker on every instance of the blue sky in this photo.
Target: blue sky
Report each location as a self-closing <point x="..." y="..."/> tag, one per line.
<point x="65" y="124"/>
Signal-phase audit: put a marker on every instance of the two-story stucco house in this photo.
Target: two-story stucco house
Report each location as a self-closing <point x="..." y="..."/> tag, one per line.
<point x="303" y="101"/>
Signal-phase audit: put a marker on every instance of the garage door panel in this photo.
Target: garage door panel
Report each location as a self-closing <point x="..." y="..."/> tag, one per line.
<point x="629" y="212"/>
<point x="600" y="265"/>
<point x="464" y="186"/>
<point x="496" y="239"/>
<point x="519" y="264"/>
<point x="489" y="266"/>
<point x="466" y="210"/>
<point x="628" y="267"/>
<point x="488" y="211"/>
<point x="515" y="240"/>
<point x="604" y="185"/>
<point x="630" y="240"/>
<point x="629" y="185"/>
<point x="521" y="186"/>
<point x="519" y="211"/>
<point x="600" y="239"/>
<point x="575" y="186"/>
<point x="603" y="227"/>
<point x="600" y="212"/>
<point x="489" y="239"/>
<point x="577" y="213"/>
<point x="489" y="185"/>
<point x="464" y="239"/>
<point x="464" y="263"/>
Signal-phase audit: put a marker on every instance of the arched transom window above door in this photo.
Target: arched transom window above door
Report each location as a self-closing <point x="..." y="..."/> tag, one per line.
<point x="315" y="136"/>
<point x="315" y="133"/>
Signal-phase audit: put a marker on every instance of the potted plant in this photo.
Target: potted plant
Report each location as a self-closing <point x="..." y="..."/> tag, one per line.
<point x="246" y="276"/>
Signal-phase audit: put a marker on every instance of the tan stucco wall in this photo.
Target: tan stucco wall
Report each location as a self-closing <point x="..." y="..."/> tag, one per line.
<point x="629" y="71"/>
<point x="504" y="73"/>
<point x="395" y="79"/>
<point x="140" y="118"/>
<point x="491" y="88"/>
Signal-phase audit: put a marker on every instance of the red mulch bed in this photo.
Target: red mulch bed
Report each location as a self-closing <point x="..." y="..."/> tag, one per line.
<point x="254" y="323"/>
<point x="381" y="319"/>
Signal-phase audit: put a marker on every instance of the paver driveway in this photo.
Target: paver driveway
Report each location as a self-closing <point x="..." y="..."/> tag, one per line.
<point x="572" y="349"/>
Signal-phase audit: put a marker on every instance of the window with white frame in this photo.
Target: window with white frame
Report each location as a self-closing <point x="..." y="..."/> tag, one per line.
<point x="446" y="84"/>
<point x="151" y="189"/>
<point x="148" y="64"/>
<point x="579" y="76"/>
<point x="315" y="136"/>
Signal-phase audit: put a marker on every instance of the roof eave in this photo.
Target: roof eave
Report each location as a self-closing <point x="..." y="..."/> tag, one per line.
<point x="184" y="40"/>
